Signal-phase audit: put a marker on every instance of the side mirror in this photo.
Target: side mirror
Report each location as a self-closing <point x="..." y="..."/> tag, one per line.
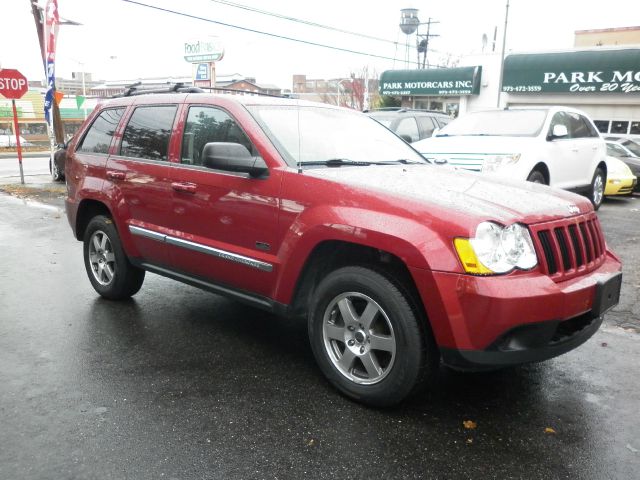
<point x="233" y="157"/>
<point x="62" y="146"/>
<point x="559" y="131"/>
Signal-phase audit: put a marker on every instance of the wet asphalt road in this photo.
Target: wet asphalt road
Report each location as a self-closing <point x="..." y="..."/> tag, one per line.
<point x="183" y="384"/>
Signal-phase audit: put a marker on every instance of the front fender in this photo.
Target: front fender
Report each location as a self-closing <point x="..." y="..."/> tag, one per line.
<point x="413" y="242"/>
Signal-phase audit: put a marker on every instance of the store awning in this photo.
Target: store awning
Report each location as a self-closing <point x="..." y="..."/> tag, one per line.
<point x="433" y="81"/>
<point x="588" y="71"/>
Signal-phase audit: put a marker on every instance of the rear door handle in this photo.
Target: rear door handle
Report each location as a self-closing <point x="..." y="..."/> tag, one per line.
<point x="116" y="175"/>
<point x="185" y="187"/>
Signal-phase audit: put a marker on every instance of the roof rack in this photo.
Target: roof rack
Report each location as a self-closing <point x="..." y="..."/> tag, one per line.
<point x="179" y="87"/>
<point x="237" y="90"/>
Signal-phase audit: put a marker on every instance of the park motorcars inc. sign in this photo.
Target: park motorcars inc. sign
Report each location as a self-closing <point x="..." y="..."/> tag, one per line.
<point x="580" y="72"/>
<point x="432" y="81"/>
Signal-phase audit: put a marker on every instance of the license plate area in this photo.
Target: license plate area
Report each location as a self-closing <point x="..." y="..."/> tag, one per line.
<point x="607" y="295"/>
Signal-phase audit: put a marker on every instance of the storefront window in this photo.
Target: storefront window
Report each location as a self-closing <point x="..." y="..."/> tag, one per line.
<point x="5" y="129"/>
<point x="635" y="128"/>
<point x="619" y="127"/>
<point x="602" y="125"/>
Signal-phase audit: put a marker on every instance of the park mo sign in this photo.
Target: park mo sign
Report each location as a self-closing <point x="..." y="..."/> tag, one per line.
<point x="206" y="49"/>
<point x="13" y="84"/>
<point x="433" y="81"/>
<point x="599" y="71"/>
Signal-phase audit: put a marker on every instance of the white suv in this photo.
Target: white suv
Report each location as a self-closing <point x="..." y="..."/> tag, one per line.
<point x="557" y="146"/>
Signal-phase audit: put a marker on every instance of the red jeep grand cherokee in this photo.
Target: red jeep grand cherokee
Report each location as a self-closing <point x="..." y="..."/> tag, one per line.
<point x="321" y="213"/>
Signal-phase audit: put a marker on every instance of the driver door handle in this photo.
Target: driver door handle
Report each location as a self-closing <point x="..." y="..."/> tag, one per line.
<point x="184" y="187"/>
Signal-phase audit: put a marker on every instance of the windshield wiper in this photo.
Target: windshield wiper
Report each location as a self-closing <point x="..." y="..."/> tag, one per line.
<point x="337" y="162"/>
<point x="402" y="161"/>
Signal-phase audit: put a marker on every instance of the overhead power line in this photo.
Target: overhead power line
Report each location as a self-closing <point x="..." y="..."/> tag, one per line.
<point x="303" y="21"/>
<point x="274" y="35"/>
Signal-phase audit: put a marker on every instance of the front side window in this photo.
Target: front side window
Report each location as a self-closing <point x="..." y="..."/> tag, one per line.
<point x="426" y="125"/>
<point x="561" y="118"/>
<point x="208" y="124"/>
<point x="148" y="132"/>
<point x="99" y="135"/>
<point x="577" y="126"/>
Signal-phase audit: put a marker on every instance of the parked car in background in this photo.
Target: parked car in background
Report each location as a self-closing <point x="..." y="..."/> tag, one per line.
<point x="620" y="150"/>
<point x="409" y="124"/>
<point x="556" y="146"/>
<point x="10" y="141"/>
<point x="620" y="178"/>
<point x="56" y="167"/>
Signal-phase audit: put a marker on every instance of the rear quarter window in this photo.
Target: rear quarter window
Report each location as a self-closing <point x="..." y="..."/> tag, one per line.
<point x="98" y="137"/>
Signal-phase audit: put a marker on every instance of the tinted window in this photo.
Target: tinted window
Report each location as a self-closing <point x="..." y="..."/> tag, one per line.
<point x="578" y="126"/>
<point x="426" y="125"/>
<point x="443" y="121"/>
<point x="602" y="125"/>
<point x="408" y="129"/>
<point x="98" y="138"/>
<point x="619" y="127"/>
<point x="147" y="133"/>
<point x="207" y="124"/>
<point x="560" y="118"/>
<point x="615" y="150"/>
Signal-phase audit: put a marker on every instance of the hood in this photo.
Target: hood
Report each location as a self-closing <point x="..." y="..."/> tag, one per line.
<point x="488" y="145"/>
<point x="464" y="194"/>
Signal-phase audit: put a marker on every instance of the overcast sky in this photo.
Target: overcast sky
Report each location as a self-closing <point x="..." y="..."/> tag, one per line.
<point x="120" y="40"/>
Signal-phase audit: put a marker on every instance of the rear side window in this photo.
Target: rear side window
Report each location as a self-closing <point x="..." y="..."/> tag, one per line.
<point x="99" y="135"/>
<point x="209" y="124"/>
<point x="408" y="129"/>
<point x="426" y="125"/>
<point x="443" y="121"/>
<point x="148" y="132"/>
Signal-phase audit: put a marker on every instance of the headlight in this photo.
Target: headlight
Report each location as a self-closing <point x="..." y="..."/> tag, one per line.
<point x="497" y="249"/>
<point x="493" y="163"/>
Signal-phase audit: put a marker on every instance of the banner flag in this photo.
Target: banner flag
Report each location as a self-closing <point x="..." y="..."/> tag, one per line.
<point x="52" y="21"/>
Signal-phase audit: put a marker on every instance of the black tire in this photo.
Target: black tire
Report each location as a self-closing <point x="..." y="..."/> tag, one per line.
<point x="536" y="176"/>
<point x="415" y="358"/>
<point x="117" y="279"/>
<point x="56" y="174"/>
<point x="598" y="184"/>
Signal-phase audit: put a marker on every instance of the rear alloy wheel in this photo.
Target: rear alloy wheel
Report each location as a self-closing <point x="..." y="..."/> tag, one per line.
<point x="108" y="268"/>
<point x="537" y="177"/>
<point x="597" y="188"/>
<point x="367" y="339"/>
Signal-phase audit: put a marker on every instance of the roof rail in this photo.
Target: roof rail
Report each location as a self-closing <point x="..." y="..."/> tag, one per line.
<point x="237" y="90"/>
<point x="175" y="88"/>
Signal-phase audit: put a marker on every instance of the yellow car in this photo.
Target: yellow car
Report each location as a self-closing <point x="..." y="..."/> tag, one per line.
<point x="620" y="179"/>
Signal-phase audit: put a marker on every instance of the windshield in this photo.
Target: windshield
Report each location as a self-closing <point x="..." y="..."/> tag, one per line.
<point x="508" y="123"/>
<point x="631" y="145"/>
<point x="309" y="134"/>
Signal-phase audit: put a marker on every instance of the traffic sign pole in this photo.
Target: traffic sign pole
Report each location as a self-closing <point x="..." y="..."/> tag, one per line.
<point x="16" y="129"/>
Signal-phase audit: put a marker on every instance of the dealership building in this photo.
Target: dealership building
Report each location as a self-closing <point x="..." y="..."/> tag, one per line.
<point x="602" y="81"/>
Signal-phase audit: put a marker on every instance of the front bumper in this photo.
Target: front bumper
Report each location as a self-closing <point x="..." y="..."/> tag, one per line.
<point x="483" y="322"/>
<point x="620" y="186"/>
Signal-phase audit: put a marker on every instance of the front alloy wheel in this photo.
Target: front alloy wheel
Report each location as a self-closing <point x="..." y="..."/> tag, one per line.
<point x="359" y="338"/>
<point x="597" y="188"/>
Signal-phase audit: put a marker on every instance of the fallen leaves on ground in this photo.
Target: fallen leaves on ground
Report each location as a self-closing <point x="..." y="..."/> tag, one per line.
<point x="549" y="430"/>
<point x="469" y="424"/>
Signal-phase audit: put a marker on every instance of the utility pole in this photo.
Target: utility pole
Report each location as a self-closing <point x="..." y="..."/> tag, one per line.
<point x="423" y="45"/>
<point x="58" y="128"/>
<point x="504" y="43"/>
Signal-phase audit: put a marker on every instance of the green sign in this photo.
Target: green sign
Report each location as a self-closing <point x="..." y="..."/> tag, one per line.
<point x="433" y="81"/>
<point x="588" y="71"/>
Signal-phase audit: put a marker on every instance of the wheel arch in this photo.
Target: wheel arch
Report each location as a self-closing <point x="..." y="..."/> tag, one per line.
<point x="544" y="169"/>
<point x="87" y="209"/>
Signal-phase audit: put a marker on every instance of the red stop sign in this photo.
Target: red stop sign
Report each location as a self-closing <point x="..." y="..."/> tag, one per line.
<point x="13" y="84"/>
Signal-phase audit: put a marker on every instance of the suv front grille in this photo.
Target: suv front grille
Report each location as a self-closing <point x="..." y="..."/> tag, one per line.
<point x="570" y="246"/>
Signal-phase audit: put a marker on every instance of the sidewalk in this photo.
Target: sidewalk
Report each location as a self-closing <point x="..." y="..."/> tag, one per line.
<point x="37" y="187"/>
